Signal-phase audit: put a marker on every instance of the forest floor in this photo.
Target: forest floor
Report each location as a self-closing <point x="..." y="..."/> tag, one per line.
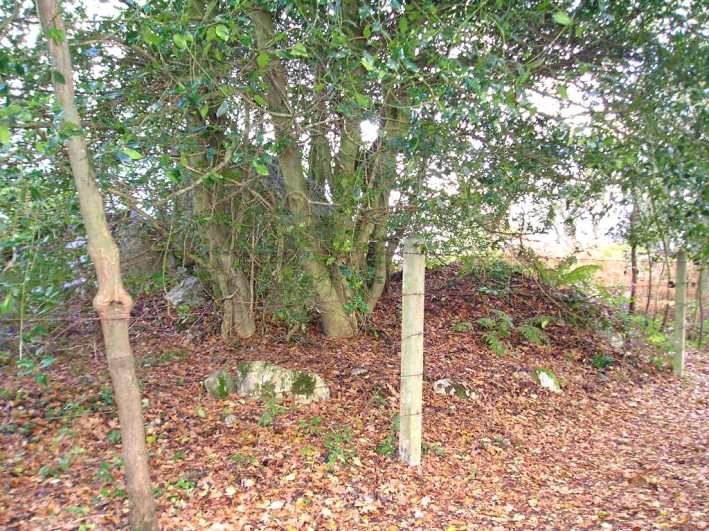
<point x="621" y="448"/>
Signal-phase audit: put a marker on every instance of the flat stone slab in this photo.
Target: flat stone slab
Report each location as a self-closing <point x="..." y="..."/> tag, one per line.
<point x="263" y="381"/>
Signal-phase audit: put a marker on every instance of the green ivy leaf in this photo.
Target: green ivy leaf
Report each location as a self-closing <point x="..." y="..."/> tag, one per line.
<point x="222" y="32"/>
<point x="58" y="77"/>
<point x="299" y="50"/>
<point x="132" y="153"/>
<point x="260" y="168"/>
<point x="4" y="134"/>
<point x="562" y="18"/>
<point x="368" y="62"/>
<point x="362" y="100"/>
<point x="180" y="41"/>
<point x="150" y="37"/>
<point x="263" y="59"/>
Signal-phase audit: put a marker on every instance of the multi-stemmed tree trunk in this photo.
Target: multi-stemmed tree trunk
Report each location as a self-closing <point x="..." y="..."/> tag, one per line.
<point x="112" y="302"/>
<point x="679" y="336"/>
<point x="344" y="252"/>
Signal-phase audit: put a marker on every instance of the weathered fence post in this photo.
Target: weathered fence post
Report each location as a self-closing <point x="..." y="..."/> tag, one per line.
<point x="678" y="343"/>
<point x="411" y="352"/>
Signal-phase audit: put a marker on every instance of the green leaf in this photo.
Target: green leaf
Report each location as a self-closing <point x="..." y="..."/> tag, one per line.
<point x="6" y="305"/>
<point x="562" y="18"/>
<point x="362" y="100"/>
<point x="263" y="59"/>
<point x="368" y="62"/>
<point x="222" y="109"/>
<point x="150" y="37"/>
<point x="260" y="168"/>
<point x="56" y="35"/>
<point x="299" y="50"/>
<point x="222" y="32"/>
<point x="58" y="77"/>
<point x="403" y="25"/>
<point x="132" y="153"/>
<point x="4" y="134"/>
<point x="179" y="41"/>
<point x="260" y="100"/>
<point x="203" y="110"/>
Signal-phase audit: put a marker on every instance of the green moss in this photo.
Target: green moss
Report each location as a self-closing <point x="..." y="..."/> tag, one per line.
<point x="267" y="391"/>
<point x="243" y="368"/>
<point x="459" y="390"/>
<point x="304" y="384"/>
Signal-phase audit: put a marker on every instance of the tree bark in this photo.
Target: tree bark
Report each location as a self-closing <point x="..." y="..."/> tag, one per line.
<point x="633" y="258"/>
<point x="633" y="278"/>
<point x="702" y="290"/>
<point x="112" y="302"/>
<point x="335" y="320"/>
<point x="679" y="336"/>
<point x="649" y="283"/>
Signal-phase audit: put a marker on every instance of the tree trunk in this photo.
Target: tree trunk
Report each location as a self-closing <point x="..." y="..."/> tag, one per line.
<point x="633" y="256"/>
<point x="112" y="302"/>
<point x="232" y="289"/>
<point x="679" y="336"/>
<point x="702" y="290"/>
<point x="649" y="284"/>
<point x="336" y="321"/>
<point x="633" y="278"/>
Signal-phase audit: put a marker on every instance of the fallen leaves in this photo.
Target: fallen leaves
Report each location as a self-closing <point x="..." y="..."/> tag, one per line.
<point x="627" y="452"/>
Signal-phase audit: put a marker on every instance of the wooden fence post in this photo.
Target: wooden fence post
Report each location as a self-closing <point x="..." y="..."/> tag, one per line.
<point x="412" y="294"/>
<point x="679" y="336"/>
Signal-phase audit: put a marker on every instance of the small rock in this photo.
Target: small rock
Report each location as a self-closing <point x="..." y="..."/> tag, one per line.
<point x="547" y="379"/>
<point x="446" y="386"/>
<point x="359" y="371"/>
<point x="188" y="292"/>
<point x="230" y="420"/>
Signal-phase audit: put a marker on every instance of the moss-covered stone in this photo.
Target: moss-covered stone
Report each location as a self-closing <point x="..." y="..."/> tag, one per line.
<point x="303" y="384"/>
<point x="266" y="381"/>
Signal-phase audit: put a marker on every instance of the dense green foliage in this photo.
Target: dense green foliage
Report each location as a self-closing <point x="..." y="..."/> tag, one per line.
<point x="281" y="150"/>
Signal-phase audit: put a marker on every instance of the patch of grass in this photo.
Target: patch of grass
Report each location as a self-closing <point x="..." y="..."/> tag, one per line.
<point x="388" y="446"/>
<point x="310" y="426"/>
<point x="62" y="465"/>
<point x="380" y="399"/>
<point x="338" y="443"/>
<point x="164" y="357"/>
<point x="602" y="361"/>
<point x="242" y="459"/>
<point x="462" y="326"/>
<point x="271" y="410"/>
<point x="114" y="436"/>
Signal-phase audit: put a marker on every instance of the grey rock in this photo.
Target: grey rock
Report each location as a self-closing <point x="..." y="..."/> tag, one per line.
<point x="446" y="386"/>
<point x="547" y="379"/>
<point x="188" y="291"/>
<point x="263" y="380"/>
<point x="230" y="421"/>
<point x="359" y="371"/>
<point x="260" y="379"/>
